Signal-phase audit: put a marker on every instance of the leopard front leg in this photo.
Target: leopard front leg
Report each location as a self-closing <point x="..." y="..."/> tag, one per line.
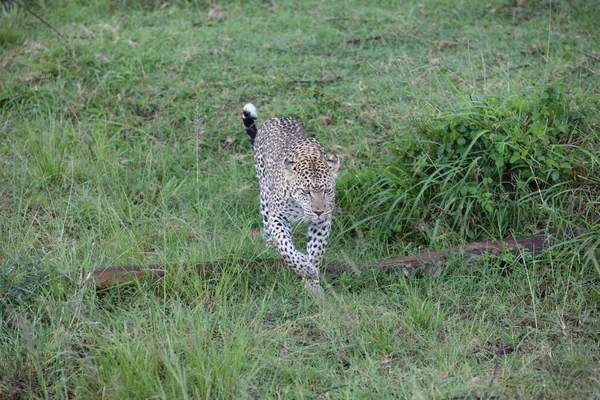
<point x="281" y="230"/>
<point x="318" y="236"/>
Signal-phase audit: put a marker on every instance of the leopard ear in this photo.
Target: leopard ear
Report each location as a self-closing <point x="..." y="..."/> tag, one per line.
<point x="334" y="162"/>
<point x="289" y="172"/>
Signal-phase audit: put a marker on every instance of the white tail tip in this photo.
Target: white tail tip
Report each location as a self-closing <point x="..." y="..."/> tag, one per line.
<point x="251" y="110"/>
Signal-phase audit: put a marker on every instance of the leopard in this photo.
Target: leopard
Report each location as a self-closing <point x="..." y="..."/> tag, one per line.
<point x="297" y="183"/>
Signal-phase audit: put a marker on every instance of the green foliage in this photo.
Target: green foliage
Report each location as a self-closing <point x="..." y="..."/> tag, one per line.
<point x="121" y="144"/>
<point x="20" y="285"/>
<point x="424" y="315"/>
<point x="476" y="171"/>
<point x="9" y="37"/>
<point x="510" y="140"/>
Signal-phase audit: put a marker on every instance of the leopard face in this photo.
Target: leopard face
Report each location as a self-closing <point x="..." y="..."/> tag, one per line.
<point x="310" y="179"/>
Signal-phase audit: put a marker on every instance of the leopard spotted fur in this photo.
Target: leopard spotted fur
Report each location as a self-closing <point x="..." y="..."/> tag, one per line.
<point x="297" y="183"/>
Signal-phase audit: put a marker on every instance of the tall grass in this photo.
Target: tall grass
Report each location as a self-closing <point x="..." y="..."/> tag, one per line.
<point x="121" y="143"/>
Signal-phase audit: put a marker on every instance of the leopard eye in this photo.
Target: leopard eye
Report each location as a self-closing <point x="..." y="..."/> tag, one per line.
<point x="329" y="191"/>
<point x="305" y="190"/>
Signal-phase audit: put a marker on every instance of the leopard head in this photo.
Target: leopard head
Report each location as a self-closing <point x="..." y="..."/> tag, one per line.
<point x="310" y="178"/>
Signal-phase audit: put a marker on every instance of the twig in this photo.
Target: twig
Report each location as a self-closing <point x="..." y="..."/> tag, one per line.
<point x="592" y="56"/>
<point x="312" y="81"/>
<point x="322" y="392"/>
<point x="367" y="39"/>
<point x="500" y="351"/>
<point x="42" y="20"/>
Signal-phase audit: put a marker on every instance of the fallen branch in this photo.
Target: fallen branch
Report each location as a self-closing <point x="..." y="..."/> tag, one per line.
<point x="424" y="262"/>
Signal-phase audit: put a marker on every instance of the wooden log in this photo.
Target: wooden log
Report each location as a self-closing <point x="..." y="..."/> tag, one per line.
<point x="427" y="262"/>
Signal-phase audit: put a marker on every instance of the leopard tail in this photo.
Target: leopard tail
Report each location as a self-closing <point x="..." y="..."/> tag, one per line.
<point x="249" y="116"/>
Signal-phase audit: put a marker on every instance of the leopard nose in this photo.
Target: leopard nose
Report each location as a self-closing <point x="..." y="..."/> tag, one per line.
<point x="318" y="213"/>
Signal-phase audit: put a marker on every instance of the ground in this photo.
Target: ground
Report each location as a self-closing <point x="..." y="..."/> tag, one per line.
<point x="122" y="143"/>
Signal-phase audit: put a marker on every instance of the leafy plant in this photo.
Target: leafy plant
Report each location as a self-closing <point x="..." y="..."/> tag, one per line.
<point x="511" y="139"/>
<point x="476" y="171"/>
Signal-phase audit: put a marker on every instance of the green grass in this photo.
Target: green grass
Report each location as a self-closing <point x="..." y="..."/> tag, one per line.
<point x="453" y="121"/>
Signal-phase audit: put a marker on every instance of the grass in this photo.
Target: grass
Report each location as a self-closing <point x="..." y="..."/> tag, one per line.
<point x="122" y="144"/>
